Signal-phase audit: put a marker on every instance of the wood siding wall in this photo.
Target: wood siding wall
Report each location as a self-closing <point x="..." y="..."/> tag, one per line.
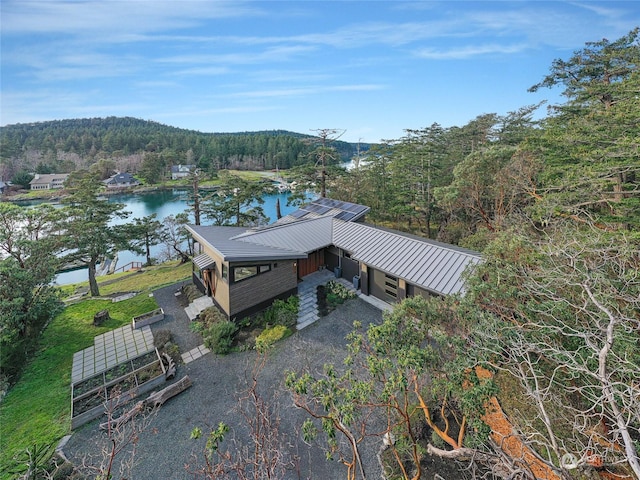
<point x="332" y="257"/>
<point x="221" y="294"/>
<point x="310" y="264"/>
<point x="263" y="287"/>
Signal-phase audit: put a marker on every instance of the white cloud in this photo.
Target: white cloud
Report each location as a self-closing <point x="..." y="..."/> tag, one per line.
<point x="249" y="57"/>
<point x="49" y="104"/>
<point x="309" y="90"/>
<point x="468" y="51"/>
<point x="201" y="71"/>
<point x="114" y="17"/>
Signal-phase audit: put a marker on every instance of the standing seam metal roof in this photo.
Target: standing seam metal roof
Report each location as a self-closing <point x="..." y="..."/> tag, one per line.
<point x="302" y="236"/>
<point x="221" y="240"/>
<point x="431" y="265"/>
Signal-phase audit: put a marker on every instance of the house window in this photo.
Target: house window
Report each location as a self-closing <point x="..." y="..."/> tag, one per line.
<point x="225" y="273"/>
<point x="242" y="273"/>
<point x="391" y="286"/>
<point x="248" y="271"/>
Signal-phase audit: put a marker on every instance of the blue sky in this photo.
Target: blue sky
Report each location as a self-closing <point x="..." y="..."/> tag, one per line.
<point x="370" y="68"/>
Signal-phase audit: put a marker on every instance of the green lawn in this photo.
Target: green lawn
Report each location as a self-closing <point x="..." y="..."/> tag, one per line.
<point x="37" y="409"/>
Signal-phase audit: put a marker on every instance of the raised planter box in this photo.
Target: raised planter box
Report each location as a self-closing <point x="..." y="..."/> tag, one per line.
<point x="148" y="318"/>
<point x="134" y="377"/>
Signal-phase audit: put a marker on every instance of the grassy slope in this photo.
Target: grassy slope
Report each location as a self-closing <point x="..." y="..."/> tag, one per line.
<point x="37" y="408"/>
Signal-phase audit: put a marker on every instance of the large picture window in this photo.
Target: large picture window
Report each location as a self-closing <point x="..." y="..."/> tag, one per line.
<point x="248" y="271"/>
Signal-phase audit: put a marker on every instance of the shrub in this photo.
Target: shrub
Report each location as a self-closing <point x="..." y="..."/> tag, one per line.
<point x="211" y="315"/>
<point x="282" y="312"/>
<point x="219" y="336"/>
<point x="338" y="291"/>
<point x="191" y="292"/>
<point x="173" y="351"/>
<point x="161" y="338"/>
<point x="270" y="336"/>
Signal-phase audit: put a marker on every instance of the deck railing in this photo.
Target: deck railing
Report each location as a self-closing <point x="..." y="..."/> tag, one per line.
<point x="129" y="266"/>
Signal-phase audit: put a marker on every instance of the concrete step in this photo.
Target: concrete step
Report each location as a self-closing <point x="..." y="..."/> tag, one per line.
<point x="198" y="305"/>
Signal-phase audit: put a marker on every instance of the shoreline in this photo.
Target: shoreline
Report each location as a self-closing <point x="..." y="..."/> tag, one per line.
<point x="56" y="196"/>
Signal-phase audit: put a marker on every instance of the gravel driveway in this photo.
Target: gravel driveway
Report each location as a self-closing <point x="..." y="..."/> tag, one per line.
<point x="165" y="447"/>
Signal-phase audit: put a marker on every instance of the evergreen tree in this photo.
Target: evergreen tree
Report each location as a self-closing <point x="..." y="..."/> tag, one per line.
<point x="90" y="236"/>
<point x="590" y="143"/>
<point x="29" y="243"/>
<point x="236" y="202"/>
<point x="144" y="233"/>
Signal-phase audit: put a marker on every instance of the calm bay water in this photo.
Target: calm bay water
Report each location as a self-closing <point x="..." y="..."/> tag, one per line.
<point x="163" y="203"/>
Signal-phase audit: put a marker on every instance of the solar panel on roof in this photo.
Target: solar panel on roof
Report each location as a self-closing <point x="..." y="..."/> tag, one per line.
<point x="353" y="208"/>
<point x="298" y="213"/>
<point x="346" y="216"/>
<point x="314" y="208"/>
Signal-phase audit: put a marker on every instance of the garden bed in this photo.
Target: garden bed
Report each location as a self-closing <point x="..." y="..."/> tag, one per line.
<point x="148" y="318"/>
<point x="331" y="295"/>
<point x="119" y="384"/>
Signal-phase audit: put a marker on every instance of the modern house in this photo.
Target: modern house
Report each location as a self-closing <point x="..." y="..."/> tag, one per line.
<point x="121" y="180"/>
<point x="181" y="171"/>
<point x="48" y="181"/>
<point x="244" y="271"/>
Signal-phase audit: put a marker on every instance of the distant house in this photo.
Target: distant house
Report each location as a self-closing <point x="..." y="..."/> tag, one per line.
<point x="48" y="181"/>
<point x="121" y="180"/>
<point x="181" y="171"/>
<point x="245" y="270"/>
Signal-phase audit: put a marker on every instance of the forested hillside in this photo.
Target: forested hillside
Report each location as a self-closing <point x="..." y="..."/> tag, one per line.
<point x="134" y="145"/>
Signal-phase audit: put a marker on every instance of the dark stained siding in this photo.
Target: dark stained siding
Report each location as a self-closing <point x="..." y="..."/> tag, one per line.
<point x="261" y="288"/>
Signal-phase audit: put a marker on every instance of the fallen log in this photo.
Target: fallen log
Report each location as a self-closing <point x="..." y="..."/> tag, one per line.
<point x="158" y="398"/>
<point x="116" y="423"/>
<point x="498" y="466"/>
<point x="153" y="401"/>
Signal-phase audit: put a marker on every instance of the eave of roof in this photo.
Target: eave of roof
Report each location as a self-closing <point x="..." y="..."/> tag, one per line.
<point x="220" y="239"/>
